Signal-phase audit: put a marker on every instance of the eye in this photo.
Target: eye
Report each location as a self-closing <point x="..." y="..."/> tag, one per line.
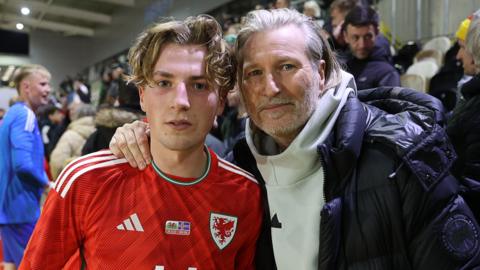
<point x="255" y="72"/>
<point x="287" y="67"/>
<point x="199" y="86"/>
<point x="164" y="84"/>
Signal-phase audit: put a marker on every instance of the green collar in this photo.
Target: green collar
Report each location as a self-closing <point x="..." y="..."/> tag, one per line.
<point x="181" y="183"/>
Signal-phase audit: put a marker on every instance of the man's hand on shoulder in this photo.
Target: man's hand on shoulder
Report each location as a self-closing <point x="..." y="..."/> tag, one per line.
<point x="130" y="141"/>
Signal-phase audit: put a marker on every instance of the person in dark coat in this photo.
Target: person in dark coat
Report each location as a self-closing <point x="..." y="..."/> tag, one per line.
<point x="464" y="125"/>
<point x="108" y="119"/>
<point x="348" y="182"/>
<point x="370" y="63"/>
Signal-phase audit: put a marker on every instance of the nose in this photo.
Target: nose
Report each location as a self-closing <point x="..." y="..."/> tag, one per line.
<point x="361" y="42"/>
<point x="271" y="87"/>
<point x="459" y="54"/>
<point x="181" y="101"/>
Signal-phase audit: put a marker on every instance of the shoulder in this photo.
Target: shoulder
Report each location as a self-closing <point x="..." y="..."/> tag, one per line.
<point x="409" y="123"/>
<point x="381" y="67"/>
<point x="23" y="117"/>
<point x="89" y="170"/>
<point x="233" y="171"/>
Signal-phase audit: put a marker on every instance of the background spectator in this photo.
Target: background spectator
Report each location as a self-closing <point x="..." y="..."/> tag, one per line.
<point x="109" y="118"/>
<point x="22" y="177"/>
<point x="72" y="141"/>
<point x="369" y="63"/>
<point x="464" y="125"/>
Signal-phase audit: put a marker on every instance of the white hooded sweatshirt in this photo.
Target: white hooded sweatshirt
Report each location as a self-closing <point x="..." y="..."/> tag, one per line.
<point x="294" y="180"/>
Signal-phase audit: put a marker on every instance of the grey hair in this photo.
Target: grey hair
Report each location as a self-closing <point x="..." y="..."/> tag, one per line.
<point x="472" y="42"/>
<point x="82" y="110"/>
<point x="317" y="48"/>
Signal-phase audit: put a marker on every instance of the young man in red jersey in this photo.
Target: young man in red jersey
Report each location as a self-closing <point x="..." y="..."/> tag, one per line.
<point x="189" y="209"/>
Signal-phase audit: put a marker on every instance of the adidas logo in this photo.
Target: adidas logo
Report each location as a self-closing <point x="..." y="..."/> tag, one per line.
<point x="131" y="224"/>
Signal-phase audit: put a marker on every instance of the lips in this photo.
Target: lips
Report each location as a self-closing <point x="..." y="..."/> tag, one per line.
<point x="179" y="124"/>
<point x="272" y="106"/>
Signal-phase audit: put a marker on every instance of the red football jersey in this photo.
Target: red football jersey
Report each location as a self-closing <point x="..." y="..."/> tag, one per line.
<point x="119" y="217"/>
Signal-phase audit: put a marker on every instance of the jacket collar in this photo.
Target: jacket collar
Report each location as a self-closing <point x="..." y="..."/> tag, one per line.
<point x="471" y="88"/>
<point x="341" y="150"/>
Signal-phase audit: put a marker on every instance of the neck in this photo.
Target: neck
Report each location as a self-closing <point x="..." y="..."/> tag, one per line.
<point x="23" y="99"/>
<point x="285" y="140"/>
<point x="188" y="163"/>
<point x="282" y="140"/>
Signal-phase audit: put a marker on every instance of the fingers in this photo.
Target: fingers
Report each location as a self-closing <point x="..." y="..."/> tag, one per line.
<point x="131" y="142"/>
<point x="119" y="144"/>
<point x="142" y="132"/>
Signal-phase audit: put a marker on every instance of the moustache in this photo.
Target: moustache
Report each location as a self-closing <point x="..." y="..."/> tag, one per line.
<point x="273" y="102"/>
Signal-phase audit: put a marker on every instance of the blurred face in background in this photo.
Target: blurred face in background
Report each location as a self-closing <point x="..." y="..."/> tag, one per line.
<point x="281" y="4"/>
<point x="35" y="89"/>
<point x="361" y="40"/>
<point x="337" y="17"/>
<point x="466" y="58"/>
<point x="56" y="117"/>
<point x="117" y="72"/>
<point x="309" y="12"/>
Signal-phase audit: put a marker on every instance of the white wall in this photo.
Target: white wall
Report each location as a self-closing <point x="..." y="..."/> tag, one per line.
<point x="61" y="55"/>
<point x="6" y="60"/>
<point x="5" y="95"/>
<point x="435" y="19"/>
<point x="128" y="24"/>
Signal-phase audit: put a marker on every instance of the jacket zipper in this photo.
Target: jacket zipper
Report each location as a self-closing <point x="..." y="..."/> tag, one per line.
<point x="323" y="162"/>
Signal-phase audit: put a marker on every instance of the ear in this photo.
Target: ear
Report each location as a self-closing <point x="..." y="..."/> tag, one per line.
<point x="141" y="93"/>
<point x="25" y="85"/>
<point x="345" y="36"/>
<point x="321" y="73"/>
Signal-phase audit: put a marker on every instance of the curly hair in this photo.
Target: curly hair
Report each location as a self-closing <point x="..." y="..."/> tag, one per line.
<point x="201" y="30"/>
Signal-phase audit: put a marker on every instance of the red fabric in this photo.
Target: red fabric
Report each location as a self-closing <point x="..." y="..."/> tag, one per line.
<point x="1" y="254"/>
<point x="95" y="209"/>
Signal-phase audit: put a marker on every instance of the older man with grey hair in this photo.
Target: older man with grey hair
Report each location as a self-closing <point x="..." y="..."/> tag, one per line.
<point x="463" y="127"/>
<point x="349" y="182"/>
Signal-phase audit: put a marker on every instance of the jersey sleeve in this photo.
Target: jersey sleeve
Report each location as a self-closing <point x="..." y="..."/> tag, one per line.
<point x="59" y="232"/>
<point x="22" y="138"/>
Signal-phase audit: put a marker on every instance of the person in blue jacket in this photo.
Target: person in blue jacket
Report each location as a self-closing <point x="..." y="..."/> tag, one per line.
<point x="22" y="177"/>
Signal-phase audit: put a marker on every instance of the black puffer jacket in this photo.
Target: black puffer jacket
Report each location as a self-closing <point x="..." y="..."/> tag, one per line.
<point x="464" y="131"/>
<point x="391" y="202"/>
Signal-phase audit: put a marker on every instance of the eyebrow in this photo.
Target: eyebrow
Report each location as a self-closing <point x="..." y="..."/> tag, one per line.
<point x="170" y="75"/>
<point x="163" y="74"/>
